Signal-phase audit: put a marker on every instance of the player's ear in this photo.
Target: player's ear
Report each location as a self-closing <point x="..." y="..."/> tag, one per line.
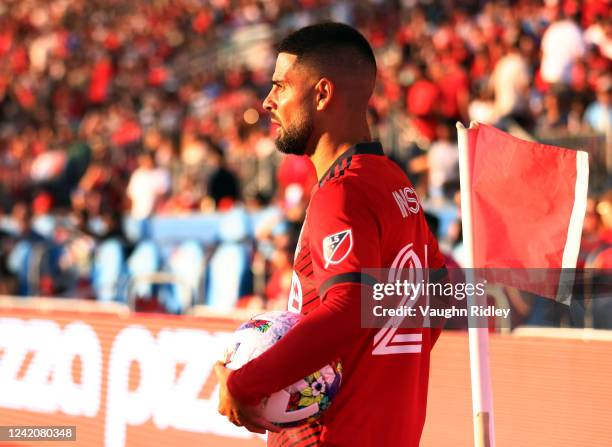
<point x="324" y="91"/>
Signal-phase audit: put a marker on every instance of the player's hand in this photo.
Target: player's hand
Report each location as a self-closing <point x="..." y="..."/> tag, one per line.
<point x="246" y="416"/>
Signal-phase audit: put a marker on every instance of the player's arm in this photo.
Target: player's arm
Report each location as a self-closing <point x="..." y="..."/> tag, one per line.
<point x="315" y="341"/>
<point x="325" y="333"/>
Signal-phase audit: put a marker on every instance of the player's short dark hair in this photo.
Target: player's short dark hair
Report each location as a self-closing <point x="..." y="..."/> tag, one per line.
<point x="319" y="44"/>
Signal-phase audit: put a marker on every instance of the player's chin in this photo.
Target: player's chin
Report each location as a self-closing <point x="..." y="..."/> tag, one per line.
<point x="289" y="147"/>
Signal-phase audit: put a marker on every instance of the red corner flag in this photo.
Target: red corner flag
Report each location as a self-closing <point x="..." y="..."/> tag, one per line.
<point x="522" y="205"/>
<point x="528" y="201"/>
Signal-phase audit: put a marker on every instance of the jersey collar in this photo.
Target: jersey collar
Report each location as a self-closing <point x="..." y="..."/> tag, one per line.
<point x="344" y="160"/>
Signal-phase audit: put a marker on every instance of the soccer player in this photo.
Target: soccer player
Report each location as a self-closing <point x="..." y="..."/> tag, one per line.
<point x="363" y="213"/>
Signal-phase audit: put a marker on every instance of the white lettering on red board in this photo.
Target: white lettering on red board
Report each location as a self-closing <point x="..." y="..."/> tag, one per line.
<point x="36" y="374"/>
<point x="37" y="363"/>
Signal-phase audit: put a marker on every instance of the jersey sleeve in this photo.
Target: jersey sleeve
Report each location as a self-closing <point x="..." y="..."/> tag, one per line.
<point x="344" y="235"/>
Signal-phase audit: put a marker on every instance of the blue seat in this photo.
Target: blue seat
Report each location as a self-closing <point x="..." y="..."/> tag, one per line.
<point x="108" y="269"/>
<point x="36" y="266"/>
<point x="227" y="273"/>
<point x="186" y="265"/>
<point x="18" y="262"/>
<point x="144" y="261"/>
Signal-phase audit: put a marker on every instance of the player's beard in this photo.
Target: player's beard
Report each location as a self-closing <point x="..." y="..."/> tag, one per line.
<point x="294" y="138"/>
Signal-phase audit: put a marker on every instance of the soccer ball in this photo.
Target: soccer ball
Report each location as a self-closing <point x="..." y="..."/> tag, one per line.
<point x="305" y="400"/>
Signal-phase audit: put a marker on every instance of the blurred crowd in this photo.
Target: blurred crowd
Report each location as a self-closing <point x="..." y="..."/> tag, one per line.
<point x="114" y="109"/>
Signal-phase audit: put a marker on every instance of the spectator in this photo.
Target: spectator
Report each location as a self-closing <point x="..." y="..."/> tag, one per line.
<point x="26" y="240"/>
<point x="186" y="197"/>
<point x="562" y="44"/>
<point x="452" y="82"/>
<point x="79" y="244"/>
<point x="554" y="118"/>
<point x="422" y="104"/>
<point x="482" y="107"/>
<point x="598" y="114"/>
<point x="599" y="34"/>
<point x="443" y="159"/>
<point x="223" y="185"/>
<point x="510" y="81"/>
<point x="7" y="280"/>
<point x="279" y="285"/>
<point x="148" y="185"/>
<point x="604" y="209"/>
<point x="112" y="228"/>
<point x="22" y="216"/>
<point x="591" y="231"/>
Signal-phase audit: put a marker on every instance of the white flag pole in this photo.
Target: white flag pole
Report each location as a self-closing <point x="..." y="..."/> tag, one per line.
<point x="482" y="395"/>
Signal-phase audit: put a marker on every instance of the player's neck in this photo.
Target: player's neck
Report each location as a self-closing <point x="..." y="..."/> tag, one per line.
<point x="329" y="149"/>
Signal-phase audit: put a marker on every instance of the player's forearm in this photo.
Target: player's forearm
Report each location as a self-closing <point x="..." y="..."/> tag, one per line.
<point x="320" y="338"/>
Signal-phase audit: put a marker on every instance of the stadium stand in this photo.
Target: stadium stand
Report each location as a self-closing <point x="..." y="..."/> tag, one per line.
<point x="135" y="158"/>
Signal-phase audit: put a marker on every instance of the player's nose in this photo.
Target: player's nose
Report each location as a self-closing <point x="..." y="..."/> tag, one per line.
<point x="268" y="103"/>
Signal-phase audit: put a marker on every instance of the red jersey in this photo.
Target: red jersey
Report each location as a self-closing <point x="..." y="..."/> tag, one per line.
<point x="364" y="213"/>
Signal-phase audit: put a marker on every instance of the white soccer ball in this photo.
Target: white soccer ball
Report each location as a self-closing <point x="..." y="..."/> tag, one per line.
<point x="305" y="400"/>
